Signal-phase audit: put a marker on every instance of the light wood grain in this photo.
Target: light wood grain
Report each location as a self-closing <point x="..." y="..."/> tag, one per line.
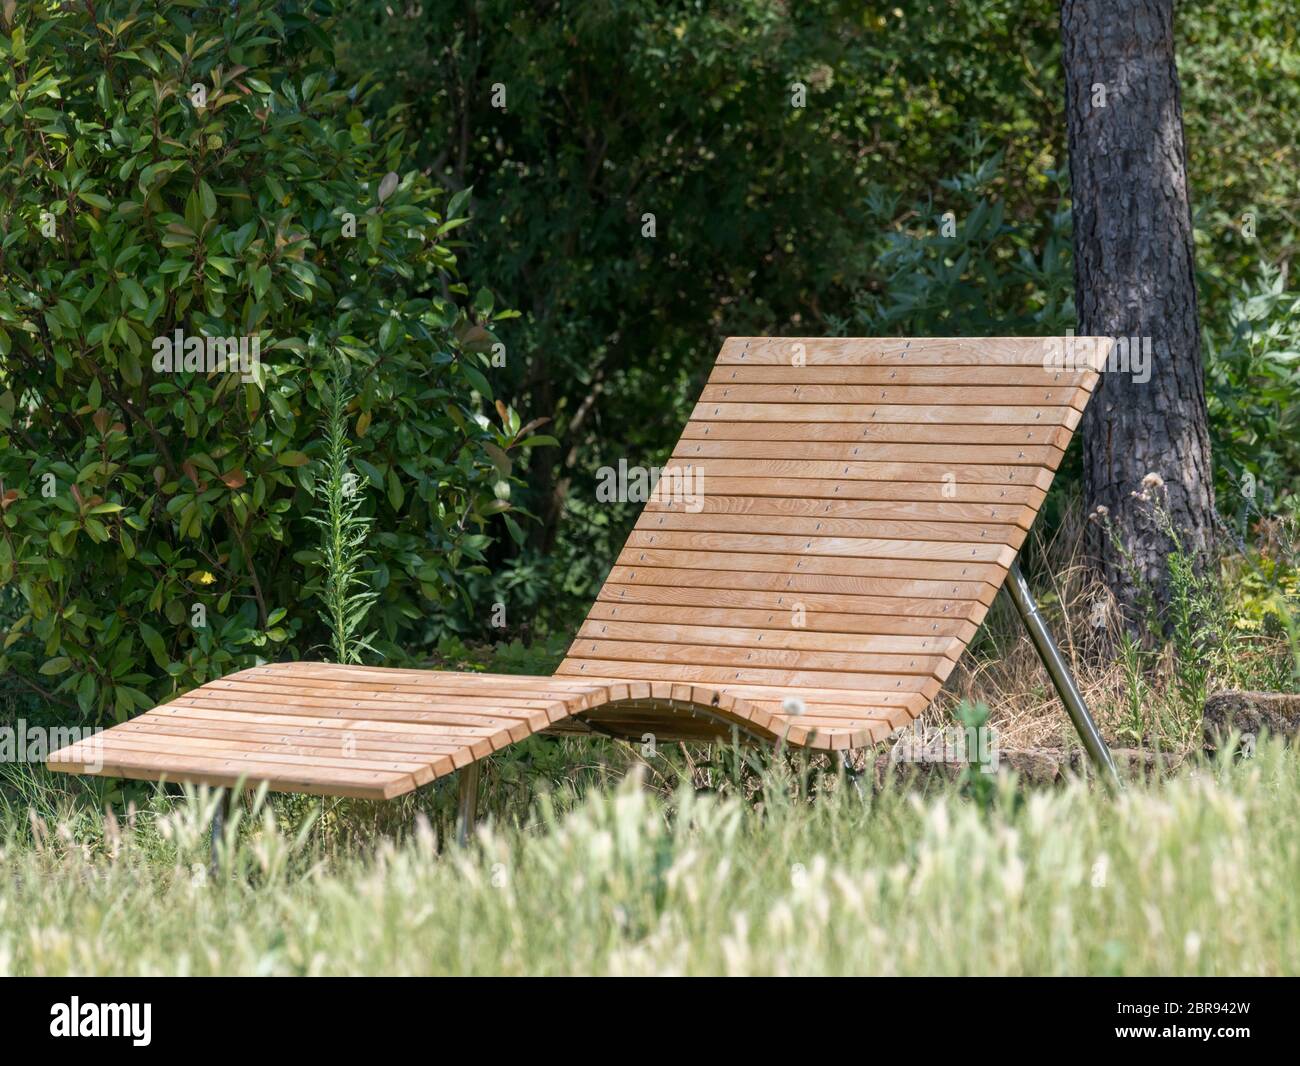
<point x="860" y="504"/>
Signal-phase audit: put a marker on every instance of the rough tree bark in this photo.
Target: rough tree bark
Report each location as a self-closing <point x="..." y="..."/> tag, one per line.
<point x="1134" y="278"/>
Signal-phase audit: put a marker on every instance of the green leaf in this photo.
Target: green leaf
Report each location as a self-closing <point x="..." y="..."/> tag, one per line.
<point x="134" y="292"/>
<point x="154" y="642"/>
<point x="516" y="534"/>
<point x="457" y="202"/>
<point x="479" y="382"/>
<point x="261" y="281"/>
<point x="95" y="200"/>
<point x="207" y="198"/>
<point x="396" y="495"/>
<point x="86" y="692"/>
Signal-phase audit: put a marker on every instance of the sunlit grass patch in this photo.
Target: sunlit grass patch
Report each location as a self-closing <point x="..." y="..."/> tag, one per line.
<point x="1195" y="875"/>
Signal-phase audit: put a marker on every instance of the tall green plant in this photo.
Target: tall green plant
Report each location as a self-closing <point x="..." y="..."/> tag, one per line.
<point x="345" y="593"/>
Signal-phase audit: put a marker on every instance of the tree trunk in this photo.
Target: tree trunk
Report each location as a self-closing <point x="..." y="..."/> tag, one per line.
<point x="1135" y="282"/>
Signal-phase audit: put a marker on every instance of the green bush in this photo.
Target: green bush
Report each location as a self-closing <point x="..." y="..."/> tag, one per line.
<point x="966" y="266"/>
<point x="199" y="168"/>
<point x="1252" y="376"/>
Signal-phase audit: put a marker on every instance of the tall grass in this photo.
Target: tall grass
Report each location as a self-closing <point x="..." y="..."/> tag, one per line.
<point x="1196" y="875"/>
<point x="1235" y="626"/>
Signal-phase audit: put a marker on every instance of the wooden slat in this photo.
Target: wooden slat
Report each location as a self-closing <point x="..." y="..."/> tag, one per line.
<point x="799" y="639"/>
<point x="133" y="738"/>
<point x="726" y="675"/>
<point x="328" y="743"/>
<point x="813" y="621"/>
<point x="716" y="653"/>
<point x="230" y="772"/>
<point x="685" y="590"/>
<point x="757" y="693"/>
<point x="487" y="710"/>
<point x="901" y="374"/>
<point x="894" y="351"/>
<point x="429" y="684"/>
<point x="791" y="472"/>
<point x="984" y="455"/>
<point x="929" y="395"/>
<point x="463" y="733"/>
<point x="783" y="575"/>
<point x="892" y="510"/>
<point x="985" y="551"/>
<point x="948" y="494"/>
<point x="432" y="681"/>
<point x="341" y="703"/>
<point x="302" y="775"/>
<point x="289" y="723"/>
<point x="896" y="577"/>
<point x="718" y="521"/>
<point x="877" y="433"/>
<point x="918" y="414"/>
<point x="223" y="723"/>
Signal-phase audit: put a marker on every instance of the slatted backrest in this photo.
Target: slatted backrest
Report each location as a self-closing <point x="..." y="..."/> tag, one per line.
<point x="861" y="502"/>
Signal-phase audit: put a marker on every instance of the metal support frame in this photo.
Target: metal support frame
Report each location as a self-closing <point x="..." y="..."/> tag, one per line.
<point x="695" y="710"/>
<point x="467" y="808"/>
<point x="225" y="805"/>
<point x="1059" y="671"/>
<point x="852" y="776"/>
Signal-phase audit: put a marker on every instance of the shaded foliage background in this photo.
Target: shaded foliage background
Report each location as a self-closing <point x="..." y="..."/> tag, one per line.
<point x="776" y="219"/>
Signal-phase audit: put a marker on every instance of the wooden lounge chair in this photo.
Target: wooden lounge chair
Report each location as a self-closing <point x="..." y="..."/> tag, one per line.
<point x="863" y="501"/>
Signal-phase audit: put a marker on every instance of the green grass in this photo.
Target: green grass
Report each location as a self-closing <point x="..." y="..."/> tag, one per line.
<point x="1196" y="875"/>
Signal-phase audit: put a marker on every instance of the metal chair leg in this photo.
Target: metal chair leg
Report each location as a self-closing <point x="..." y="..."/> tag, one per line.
<point x="851" y="776"/>
<point x="225" y="804"/>
<point x="468" y="806"/>
<point x="1059" y="671"/>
